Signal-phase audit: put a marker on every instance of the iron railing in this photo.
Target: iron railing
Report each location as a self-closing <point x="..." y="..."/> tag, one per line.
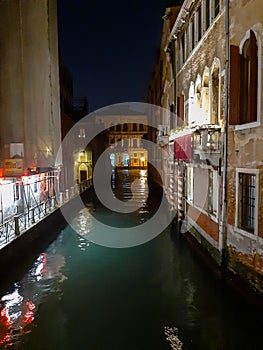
<point x="20" y="223"/>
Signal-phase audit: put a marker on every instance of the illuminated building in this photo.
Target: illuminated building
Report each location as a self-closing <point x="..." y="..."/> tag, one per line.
<point x="213" y="175"/>
<point x="29" y="87"/>
<point x="125" y="140"/>
<point x="30" y="134"/>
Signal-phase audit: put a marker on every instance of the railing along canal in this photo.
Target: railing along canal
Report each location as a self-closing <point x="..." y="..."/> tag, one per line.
<point x="16" y="225"/>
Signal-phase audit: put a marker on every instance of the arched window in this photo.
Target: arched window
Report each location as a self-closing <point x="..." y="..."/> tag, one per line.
<point x="198" y="101"/>
<point x="215" y="95"/>
<point x="248" y="77"/>
<point x="205" y="97"/>
<point x="191" y="95"/>
<point x="244" y="81"/>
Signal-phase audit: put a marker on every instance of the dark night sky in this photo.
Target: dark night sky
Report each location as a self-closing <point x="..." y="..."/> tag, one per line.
<point x="110" y="47"/>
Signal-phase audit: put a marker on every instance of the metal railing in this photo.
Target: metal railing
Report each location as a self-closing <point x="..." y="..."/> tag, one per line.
<point x="20" y="223"/>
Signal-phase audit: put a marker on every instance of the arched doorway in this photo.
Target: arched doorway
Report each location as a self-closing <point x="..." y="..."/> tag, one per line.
<point x="83" y="172"/>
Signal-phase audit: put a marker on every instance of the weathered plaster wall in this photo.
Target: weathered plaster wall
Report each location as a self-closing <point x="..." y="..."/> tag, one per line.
<point x="245" y="150"/>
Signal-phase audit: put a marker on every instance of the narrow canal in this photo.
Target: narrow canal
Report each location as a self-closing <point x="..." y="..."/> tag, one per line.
<point x="79" y="295"/>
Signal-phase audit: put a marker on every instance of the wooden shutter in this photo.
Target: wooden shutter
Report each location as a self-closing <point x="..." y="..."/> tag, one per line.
<point x="172" y="121"/>
<point x="253" y="78"/>
<point x="234" y="88"/>
<point x="180" y="108"/>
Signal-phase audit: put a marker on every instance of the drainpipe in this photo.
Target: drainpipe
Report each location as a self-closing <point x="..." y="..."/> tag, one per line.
<point x="223" y="241"/>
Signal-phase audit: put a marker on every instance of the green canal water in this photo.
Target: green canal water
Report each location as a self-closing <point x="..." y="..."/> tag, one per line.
<point x="79" y="295"/>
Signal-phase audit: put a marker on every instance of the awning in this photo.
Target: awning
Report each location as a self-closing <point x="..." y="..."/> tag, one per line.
<point x="183" y="148"/>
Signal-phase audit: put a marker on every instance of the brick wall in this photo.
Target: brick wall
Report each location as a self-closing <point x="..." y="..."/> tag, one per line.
<point x="210" y="46"/>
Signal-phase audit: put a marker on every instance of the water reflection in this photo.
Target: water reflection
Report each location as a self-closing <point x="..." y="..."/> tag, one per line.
<point x="83" y="243"/>
<point x="153" y="296"/>
<point x="191" y="308"/>
<point x="129" y="186"/>
<point x="19" y="305"/>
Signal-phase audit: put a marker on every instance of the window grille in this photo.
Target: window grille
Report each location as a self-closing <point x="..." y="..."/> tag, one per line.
<point x="247" y="200"/>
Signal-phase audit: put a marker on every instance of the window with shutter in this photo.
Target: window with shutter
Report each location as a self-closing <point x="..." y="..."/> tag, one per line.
<point x="248" y="83"/>
<point x="244" y="82"/>
<point x="180" y="108"/>
<point x="234" y="85"/>
<point x="253" y="79"/>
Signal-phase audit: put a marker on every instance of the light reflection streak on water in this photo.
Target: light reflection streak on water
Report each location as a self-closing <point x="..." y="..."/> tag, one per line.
<point x="126" y="185"/>
<point x="133" y="185"/>
<point x="19" y="306"/>
<point x="154" y="296"/>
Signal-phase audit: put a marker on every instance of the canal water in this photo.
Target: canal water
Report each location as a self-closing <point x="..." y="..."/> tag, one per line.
<point x="79" y="295"/>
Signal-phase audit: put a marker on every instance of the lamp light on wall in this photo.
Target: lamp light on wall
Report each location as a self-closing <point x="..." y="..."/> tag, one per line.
<point x="82" y="133"/>
<point x="82" y="156"/>
<point x="48" y="151"/>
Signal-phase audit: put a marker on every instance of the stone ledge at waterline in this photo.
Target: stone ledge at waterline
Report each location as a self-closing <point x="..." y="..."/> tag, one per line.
<point x="242" y="279"/>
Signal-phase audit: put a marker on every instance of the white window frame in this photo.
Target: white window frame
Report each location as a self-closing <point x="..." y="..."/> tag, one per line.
<point x="215" y="193"/>
<point x="259" y="87"/>
<point x="190" y="198"/>
<point x="216" y="61"/>
<point x="238" y="229"/>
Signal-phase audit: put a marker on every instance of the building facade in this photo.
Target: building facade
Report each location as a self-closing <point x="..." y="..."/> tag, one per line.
<point x="199" y="46"/>
<point x="212" y="91"/>
<point x="124" y="140"/>
<point x="29" y="86"/>
<point x="30" y="134"/>
<point x="245" y="142"/>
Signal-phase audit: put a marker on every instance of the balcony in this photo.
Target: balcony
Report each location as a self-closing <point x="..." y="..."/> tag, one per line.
<point x="163" y="137"/>
<point x="207" y="144"/>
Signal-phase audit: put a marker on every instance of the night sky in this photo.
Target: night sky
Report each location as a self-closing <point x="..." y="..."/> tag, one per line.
<point x="110" y="47"/>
